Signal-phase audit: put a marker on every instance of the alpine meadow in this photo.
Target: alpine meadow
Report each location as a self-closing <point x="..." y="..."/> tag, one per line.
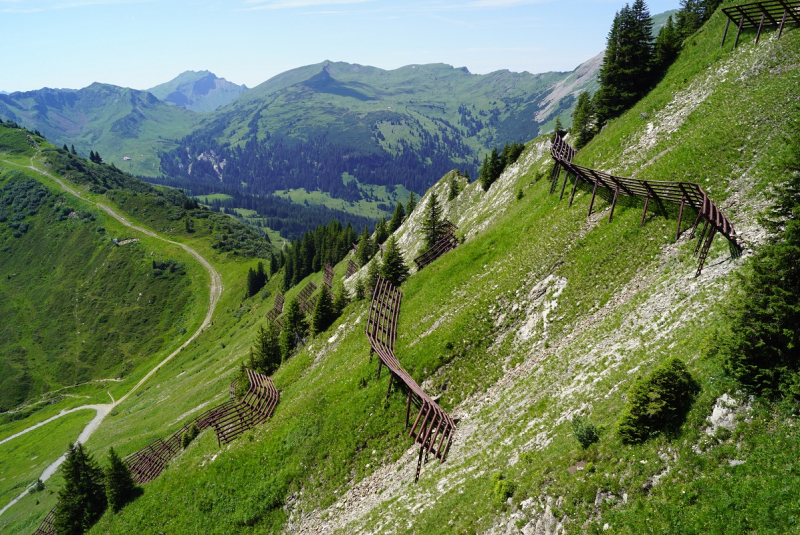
<point x="412" y="300"/>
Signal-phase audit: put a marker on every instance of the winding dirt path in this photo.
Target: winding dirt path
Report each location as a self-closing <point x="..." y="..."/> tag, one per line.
<point x="103" y="409"/>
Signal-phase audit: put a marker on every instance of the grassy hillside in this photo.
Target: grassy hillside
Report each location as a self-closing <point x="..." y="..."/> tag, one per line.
<point x="114" y="121"/>
<point x="219" y="238"/>
<point x="541" y="315"/>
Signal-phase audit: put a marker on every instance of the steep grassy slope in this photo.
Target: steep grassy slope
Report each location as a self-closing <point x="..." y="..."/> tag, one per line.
<point x="116" y="122"/>
<point x="198" y="91"/>
<point x="540" y="315"/>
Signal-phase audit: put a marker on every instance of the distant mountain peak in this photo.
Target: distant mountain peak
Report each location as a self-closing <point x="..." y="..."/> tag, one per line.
<point x="199" y="91"/>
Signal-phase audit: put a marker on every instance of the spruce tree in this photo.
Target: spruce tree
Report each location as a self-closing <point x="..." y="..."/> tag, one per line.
<point x="273" y="264"/>
<point x="72" y="150"/>
<point x="294" y="330"/>
<point x="365" y="248"/>
<point x="394" y="268"/>
<point x="484" y="174"/>
<point x="625" y="73"/>
<point x="454" y="187"/>
<point x="432" y="226"/>
<point x="381" y="232"/>
<point x="265" y="356"/>
<point x="583" y="120"/>
<point x="397" y="217"/>
<point x="668" y="44"/>
<point x="323" y="315"/>
<point x="341" y="300"/>
<point x="371" y="279"/>
<point x="66" y="149"/>
<point x="359" y="289"/>
<point x="82" y="499"/>
<point x="412" y="202"/>
<point x="558" y="129"/>
<point x="120" y="487"/>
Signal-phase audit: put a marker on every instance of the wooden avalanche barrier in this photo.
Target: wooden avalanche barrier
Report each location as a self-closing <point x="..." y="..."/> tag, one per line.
<point x="772" y="14"/>
<point x="230" y="420"/>
<point x="327" y="277"/>
<point x="446" y="243"/>
<point x="680" y="193"/>
<point x="352" y="267"/>
<point x="433" y="428"/>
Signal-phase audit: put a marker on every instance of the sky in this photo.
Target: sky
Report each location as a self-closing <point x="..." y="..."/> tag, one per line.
<point x="142" y="43"/>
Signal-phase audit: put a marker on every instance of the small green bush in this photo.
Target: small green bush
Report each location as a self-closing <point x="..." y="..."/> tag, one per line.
<point x="657" y="402"/>
<point x="585" y="432"/>
<point x="189" y="436"/>
<point x="502" y="487"/>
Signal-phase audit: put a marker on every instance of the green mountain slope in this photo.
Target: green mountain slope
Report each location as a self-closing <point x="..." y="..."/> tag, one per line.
<point x="118" y="123"/>
<point x="539" y="316"/>
<point x="198" y="91"/>
<point x="319" y="126"/>
<point x="106" y="307"/>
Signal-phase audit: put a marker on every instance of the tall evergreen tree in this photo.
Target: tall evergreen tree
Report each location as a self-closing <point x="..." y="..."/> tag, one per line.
<point x="265" y="356"/>
<point x="120" y="487"/>
<point x="273" y="264"/>
<point x="432" y="226"/>
<point x="394" y="268"/>
<point x="665" y="51"/>
<point x="323" y="315"/>
<point x="381" y="232"/>
<point x="454" y="187"/>
<point x="558" y="129"/>
<point x="583" y="120"/>
<point x="72" y="150"/>
<point x="412" y="202"/>
<point x="66" y="149"/>
<point x="360" y="291"/>
<point x="371" y="279"/>
<point x="82" y="499"/>
<point x="366" y="248"/>
<point x="294" y="329"/>
<point x="341" y="300"/>
<point x="625" y="73"/>
<point x="397" y="217"/>
<point x="288" y="273"/>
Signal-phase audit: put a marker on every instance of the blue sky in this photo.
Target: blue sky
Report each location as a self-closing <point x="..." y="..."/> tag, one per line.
<point x="141" y="43"/>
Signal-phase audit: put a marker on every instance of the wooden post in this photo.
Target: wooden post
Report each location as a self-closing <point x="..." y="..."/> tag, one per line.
<point x="760" y="25"/>
<point x="726" y="31"/>
<point x="783" y="21"/>
<point x="591" y="203"/>
<point x="572" y="197"/>
<point x="644" y="212"/>
<point x="613" y="204"/>
<point x="680" y="218"/>
<point x="554" y="177"/>
<point x="564" y="186"/>
<point x="408" y="407"/>
<point x="741" y="21"/>
<point x="380" y="363"/>
<point x="389" y="390"/>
